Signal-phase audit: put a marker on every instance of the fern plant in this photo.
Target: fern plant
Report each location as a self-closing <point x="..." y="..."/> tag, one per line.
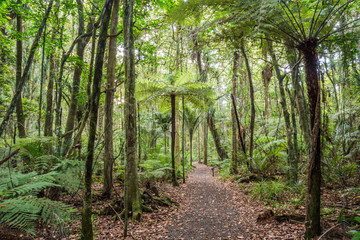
<point x="24" y="212"/>
<point x="19" y="205"/>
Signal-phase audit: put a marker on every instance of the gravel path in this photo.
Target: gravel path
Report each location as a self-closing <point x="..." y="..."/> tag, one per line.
<point x="209" y="211"/>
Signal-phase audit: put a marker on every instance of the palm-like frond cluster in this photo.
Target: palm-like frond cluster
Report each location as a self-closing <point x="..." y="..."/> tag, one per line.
<point x="155" y="87"/>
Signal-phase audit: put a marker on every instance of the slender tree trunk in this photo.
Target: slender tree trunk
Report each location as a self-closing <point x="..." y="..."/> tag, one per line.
<point x="313" y="228"/>
<point x="205" y="141"/>
<point x="219" y="148"/>
<point x="165" y="152"/>
<point x="177" y="136"/>
<point x="198" y="145"/>
<point x="173" y="128"/>
<point x="25" y="74"/>
<point x="86" y="224"/>
<point x="234" y="142"/>
<point x="19" y="50"/>
<point x="295" y="161"/>
<point x="183" y="138"/>
<point x="202" y="73"/>
<point x="42" y="80"/>
<point x="85" y="117"/>
<point x="81" y="45"/>
<point x="191" y="149"/>
<point x="48" y="127"/>
<point x="266" y="75"/>
<point x="109" y="102"/>
<point x="252" y="118"/>
<point x="300" y="100"/>
<point x="132" y="196"/>
<point x="139" y="132"/>
<point x="292" y="174"/>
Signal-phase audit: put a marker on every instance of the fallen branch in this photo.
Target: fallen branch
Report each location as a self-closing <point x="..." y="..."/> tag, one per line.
<point x="9" y="156"/>
<point x="328" y="230"/>
<point x="118" y="216"/>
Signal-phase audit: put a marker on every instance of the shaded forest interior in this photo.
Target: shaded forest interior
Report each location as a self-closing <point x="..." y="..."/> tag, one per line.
<point x="130" y="119"/>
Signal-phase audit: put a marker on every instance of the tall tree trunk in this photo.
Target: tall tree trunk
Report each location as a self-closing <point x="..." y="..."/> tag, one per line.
<point x="48" y="127"/>
<point x="205" y="141"/>
<point x="252" y="118"/>
<point x="86" y="224"/>
<point x="132" y="196"/>
<point x="139" y="132"/>
<point x="177" y="136"/>
<point x="173" y="129"/>
<point x="183" y="138"/>
<point x="198" y="145"/>
<point x="266" y="75"/>
<point x="299" y="94"/>
<point x="219" y="148"/>
<point x="81" y="45"/>
<point x="42" y="81"/>
<point x="203" y="77"/>
<point x="85" y="116"/>
<point x="234" y="142"/>
<point x="49" y="118"/>
<point x="292" y="174"/>
<point x="19" y="49"/>
<point x="313" y="228"/>
<point x="296" y="159"/>
<point x="191" y="149"/>
<point x="109" y="102"/>
<point x="165" y="148"/>
<point x="25" y="74"/>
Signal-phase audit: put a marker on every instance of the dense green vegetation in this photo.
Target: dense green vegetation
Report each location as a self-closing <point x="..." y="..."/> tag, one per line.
<point x="95" y="92"/>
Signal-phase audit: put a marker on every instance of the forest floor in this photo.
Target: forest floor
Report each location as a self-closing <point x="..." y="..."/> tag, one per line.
<point x="204" y="208"/>
<point x="208" y="209"/>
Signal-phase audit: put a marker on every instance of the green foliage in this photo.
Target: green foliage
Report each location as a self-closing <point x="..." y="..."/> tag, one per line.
<point x="35" y="151"/>
<point x="68" y="174"/>
<point x="192" y="119"/>
<point x="24" y="212"/>
<point x="267" y="156"/>
<point x="19" y="205"/>
<point x="224" y="166"/>
<point x="156" y="167"/>
<point x="269" y="190"/>
<point x="155" y="87"/>
<point x="355" y="233"/>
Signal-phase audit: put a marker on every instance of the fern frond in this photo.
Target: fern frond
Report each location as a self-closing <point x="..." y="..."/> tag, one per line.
<point x="24" y="212"/>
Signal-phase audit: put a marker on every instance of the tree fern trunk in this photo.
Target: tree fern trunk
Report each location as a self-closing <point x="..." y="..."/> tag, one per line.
<point x="173" y="126"/>
<point x="308" y="48"/>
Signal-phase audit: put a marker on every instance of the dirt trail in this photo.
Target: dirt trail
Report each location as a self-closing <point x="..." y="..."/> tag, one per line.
<point x="209" y="212"/>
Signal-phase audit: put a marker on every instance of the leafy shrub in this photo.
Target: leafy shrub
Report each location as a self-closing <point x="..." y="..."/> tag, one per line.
<point x="269" y="191"/>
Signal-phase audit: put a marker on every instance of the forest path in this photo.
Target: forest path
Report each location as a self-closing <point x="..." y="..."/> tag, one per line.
<point x="209" y="211"/>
